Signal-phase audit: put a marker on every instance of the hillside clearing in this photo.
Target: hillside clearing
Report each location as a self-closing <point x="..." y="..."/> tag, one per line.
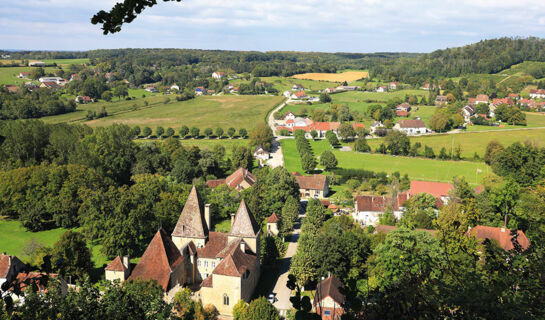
<point x="347" y="76"/>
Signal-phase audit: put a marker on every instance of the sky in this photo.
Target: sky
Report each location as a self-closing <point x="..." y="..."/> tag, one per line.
<point x="273" y="25"/>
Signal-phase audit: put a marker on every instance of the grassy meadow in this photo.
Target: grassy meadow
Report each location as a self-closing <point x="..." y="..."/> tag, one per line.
<point x="416" y="168"/>
<point x="348" y="76"/>
<point x="202" y="112"/>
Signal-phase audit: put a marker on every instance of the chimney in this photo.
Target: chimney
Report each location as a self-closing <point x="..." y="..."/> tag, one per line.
<point x="207" y="215"/>
<point x="243" y="246"/>
<point x="232" y="219"/>
<point x="126" y="262"/>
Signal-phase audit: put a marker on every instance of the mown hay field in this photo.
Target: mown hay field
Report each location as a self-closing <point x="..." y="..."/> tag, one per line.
<point x="348" y="76"/>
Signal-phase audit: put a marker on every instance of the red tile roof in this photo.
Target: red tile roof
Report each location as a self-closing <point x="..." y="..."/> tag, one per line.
<point x="374" y="203"/>
<point x="191" y="222"/>
<point x="237" y="177"/>
<point x="436" y="189"/>
<point x="358" y="125"/>
<point x="402" y="113"/>
<point x="411" y="124"/>
<point x="235" y="263"/>
<point x="159" y="260"/>
<point x="273" y="218"/>
<point x="217" y="241"/>
<point x="300" y="94"/>
<point x="116" y="265"/>
<point x="244" y="224"/>
<point x="482" y="97"/>
<point x="5" y="264"/>
<point x="329" y="287"/>
<point x="215" y="183"/>
<point x="315" y="182"/>
<point x="37" y="278"/>
<point x="325" y="126"/>
<point x="501" y="235"/>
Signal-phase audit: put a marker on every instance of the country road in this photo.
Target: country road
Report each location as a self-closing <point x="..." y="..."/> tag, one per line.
<point x="277" y="157"/>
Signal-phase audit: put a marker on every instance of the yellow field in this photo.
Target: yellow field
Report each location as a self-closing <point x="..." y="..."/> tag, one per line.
<point x="347" y="76"/>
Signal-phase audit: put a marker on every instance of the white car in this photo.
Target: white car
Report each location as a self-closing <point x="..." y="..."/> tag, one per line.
<point x="272" y="298"/>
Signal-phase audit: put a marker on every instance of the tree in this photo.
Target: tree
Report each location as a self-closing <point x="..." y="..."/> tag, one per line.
<point x="194" y="132"/>
<point x="71" y="256"/>
<point x="261" y="309"/>
<point x="325" y="98"/>
<point x="169" y="132"/>
<point x="443" y="154"/>
<point x="219" y="132"/>
<point x="146" y="132"/>
<point x="184" y="130"/>
<point x="361" y="145"/>
<point x="328" y="160"/>
<point x="428" y="152"/>
<point x="159" y="131"/>
<point x="107" y="95"/>
<point x="290" y="212"/>
<point x="136" y="131"/>
<point x="121" y="91"/>
<point x="262" y="136"/>
<point x="504" y="199"/>
<point x="240" y="310"/>
<point x="346" y="131"/>
<point x="492" y="150"/>
<point x="231" y="132"/>
<point x="242" y="157"/>
<point x="242" y="133"/>
<point x="439" y="122"/>
<point x="332" y="138"/>
<point x="308" y="162"/>
<point x="313" y="134"/>
<point x="397" y="143"/>
<point x="208" y="132"/>
<point x="457" y="120"/>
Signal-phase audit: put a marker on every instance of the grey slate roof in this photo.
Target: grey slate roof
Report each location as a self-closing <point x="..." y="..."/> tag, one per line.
<point x="191" y="222"/>
<point x="244" y="224"/>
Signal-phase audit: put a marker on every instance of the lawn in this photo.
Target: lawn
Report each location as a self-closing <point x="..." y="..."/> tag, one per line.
<point x="282" y="84"/>
<point x="8" y="75"/>
<point x="202" y="112"/>
<point x="534" y="120"/>
<point x="472" y="142"/>
<point x="15" y="237"/>
<point x="416" y="168"/>
<point x="65" y="61"/>
<point x="348" y="76"/>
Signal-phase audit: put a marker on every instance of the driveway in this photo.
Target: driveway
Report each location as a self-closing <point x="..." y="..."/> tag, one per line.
<point x="282" y="292"/>
<point x="277" y="157"/>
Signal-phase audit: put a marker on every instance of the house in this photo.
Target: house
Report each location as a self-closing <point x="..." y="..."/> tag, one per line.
<point x="24" y="75"/>
<point x="299" y="95"/>
<point x="272" y="224"/>
<point x="329" y="90"/>
<point x="10" y="266"/>
<point x="471" y="101"/>
<point x="528" y="103"/>
<point x="297" y="87"/>
<point x="328" y="300"/>
<point x="427" y="86"/>
<point x="382" y="89"/>
<point x="537" y="94"/>
<point x="152" y="89"/>
<point x="323" y="127"/>
<point x="347" y="88"/>
<point x="75" y="76"/>
<point x="411" y="127"/>
<point x="286" y="94"/>
<point x="83" y="99"/>
<point x="221" y="268"/>
<point x="501" y="236"/>
<point x="358" y="125"/>
<point x="175" y="87"/>
<point x="219" y="75"/>
<point x="316" y="186"/>
<point x="118" y="269"/>
<point x="467" y="112"/>
<point x="40" y="281"/>
<point x="240" y="179"/>
<point x="50" y="85"/>
<point x="199" y="91"/>
<point x="36" y="64"/>
<point x="401" y="113"/>
<point x="482" y="98"/>
<point x="514" y="96"/>
<point x="289" y="116"/>
<point x="440" y="101"/>
<point x="57" y="80"/>
<point x="394" y="85"/>
<point x="368" y="209"/>
<point x="440" y="190"/>
<point x="261" y="154"/>
<point x="497" y="101"/>
<point x="299" y="122"/>
<point x="376" y="125"/>
<point x="404" y="107"/>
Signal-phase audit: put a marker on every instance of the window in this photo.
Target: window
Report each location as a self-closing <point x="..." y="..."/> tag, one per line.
<point x="213" y="264"/>
<point x="225" y="299"/>
<point x="206" y="264"/>
<point x="327" y="313"/>
<point x="199" y="263"/>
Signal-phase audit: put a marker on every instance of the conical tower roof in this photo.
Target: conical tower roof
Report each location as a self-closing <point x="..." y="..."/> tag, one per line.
<point x="191" y="222"/>
<point x="244" y="224"/>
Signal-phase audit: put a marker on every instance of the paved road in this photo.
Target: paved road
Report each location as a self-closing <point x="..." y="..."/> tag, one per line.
<point x="282" y="292"/>
<point x="277" y="157"/>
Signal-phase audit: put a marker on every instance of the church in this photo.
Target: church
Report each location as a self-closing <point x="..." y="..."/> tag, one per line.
<point x="221" y="268"/>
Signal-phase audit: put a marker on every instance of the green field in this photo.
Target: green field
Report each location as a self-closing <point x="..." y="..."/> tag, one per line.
<point x="15" y="237"/>
<point x="282" y="84"/>
<point x="8" y="75"/>
<point x="416" y="168"/>
<point x="534" y="120"/>
<point x="472" y="142"/>
<point x="66" y="61"/>
<point x="202" y="112"/>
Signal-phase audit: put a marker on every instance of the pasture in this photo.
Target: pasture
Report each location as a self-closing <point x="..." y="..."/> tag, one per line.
<point x="348" y="76"/>
<point x="202" y="112"/>
<point x="8" y="75"/>
<point x="285" y="84"/>
<point x="416" y="168"/>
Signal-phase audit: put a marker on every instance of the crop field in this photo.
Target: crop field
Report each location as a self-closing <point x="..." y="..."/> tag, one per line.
<point x="15" y="237"/>
<point x="347" y="76"/>
<point x="475" y="142"/>
<point x="202" y="112"/>
<point x="416" y="168"/>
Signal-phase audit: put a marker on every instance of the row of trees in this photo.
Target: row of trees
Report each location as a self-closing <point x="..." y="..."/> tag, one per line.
<point x="308" y="162"/>
<point x="193" y="132"/>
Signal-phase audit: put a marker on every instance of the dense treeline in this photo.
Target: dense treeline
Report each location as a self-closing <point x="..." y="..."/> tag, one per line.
<point x="37" y="103"/>
<point x="487" y="56"/>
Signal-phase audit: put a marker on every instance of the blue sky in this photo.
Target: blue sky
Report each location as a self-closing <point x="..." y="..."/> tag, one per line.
<point x="264" y="25"/>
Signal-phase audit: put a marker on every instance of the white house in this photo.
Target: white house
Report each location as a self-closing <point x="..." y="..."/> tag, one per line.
<point x="297" y="87"/>
<point x="537" y="94"/>
<point x="219" y="75"/>
<point x="299" y="95"/>
<point x="329" y="90"/>
<point x="382" y="89"/>
<point x="411" y="127"/>
<point x="175" y="87"/>
<point x="368" y="209"/>
<point x="376" y="125"/>
<point x="467" y="112"/>
<point x="57" y="80"/>
<point x="261" y="154"/>
<point x="394" y="85"/>
<point x="286" y="94"/>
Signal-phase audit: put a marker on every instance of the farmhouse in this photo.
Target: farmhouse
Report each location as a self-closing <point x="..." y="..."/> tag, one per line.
<point x="467" y="112"/>
<point x="39" y="280"/>
<point x="83" y="99"/>
<point x="347" y="88"/>
<point x="529" y="103"/>
<point x="299" y="95"/>
<point x="297" y="87"/>
<point x="498" y="101"/>
<point x="219" y="75"/>
<point x="10" y="266"/>
<point x="261" y="154"/>
<point x="404" y="107"/>
<point x="440" y="101"/>
<point x="239" y="180"/>
<point x="514" y="96"/>
<point x="394" y="85"/>
<point x="329" y="90"/>
<point x="286" y="94"/>
<point x="376" y="125"/>
<point x="411" y="127"/>
<point x="222" y="268"/>
<point x="439" y="190"/>
<point x="323" y="127"/>
<point x="427" y="86"/>
<point x="537" y="94"/>
<point x="36" y="64"/>
<point x="316" y="186"/>
<point x="482" y="98"/>
<point x="50" y="85"/>
<point x="57" y="80"/>
<point x="328" y="300"/>
<point x="501" y="236"/>
<point x="382" y="89"/>
<point x="368" y="209"/>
